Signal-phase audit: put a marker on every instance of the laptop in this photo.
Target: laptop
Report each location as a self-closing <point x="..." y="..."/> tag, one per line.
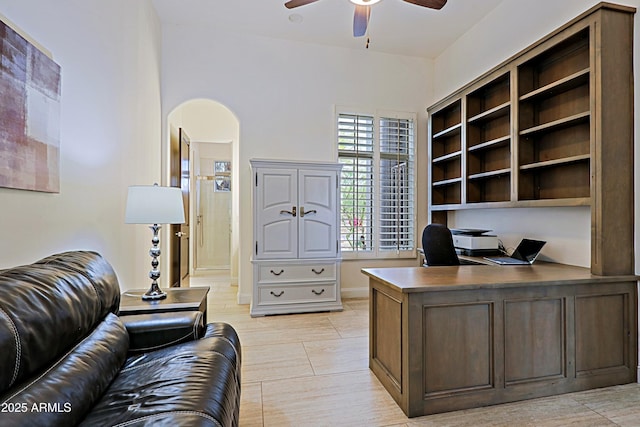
<point x="525" y="254"/>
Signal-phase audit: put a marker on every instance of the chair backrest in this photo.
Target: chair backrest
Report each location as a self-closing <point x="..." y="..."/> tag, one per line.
<point x="48" y="308"/>
<point x="437" y="244"/>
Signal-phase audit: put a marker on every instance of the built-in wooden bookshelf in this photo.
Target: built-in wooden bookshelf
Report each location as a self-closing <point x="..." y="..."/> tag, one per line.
<point x="551" y="126"/>
<point x="488" y="147"/>
<point x="554" y="157"/>
<point x="446" y="138"/>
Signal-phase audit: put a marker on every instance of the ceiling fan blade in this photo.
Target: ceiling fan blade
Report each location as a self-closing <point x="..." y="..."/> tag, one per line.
<point x="433" y="4"/>
<point x="295" y="3"/>
<point x="361" y="20"/>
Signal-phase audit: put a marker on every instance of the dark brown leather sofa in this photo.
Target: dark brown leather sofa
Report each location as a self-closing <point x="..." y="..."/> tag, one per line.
<point x="67" y="359"/>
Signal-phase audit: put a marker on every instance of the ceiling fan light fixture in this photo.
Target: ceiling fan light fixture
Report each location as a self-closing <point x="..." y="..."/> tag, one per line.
<point x="364" y="2"/>
<point x="362" y="11"/>
<point x="295" y="18"/>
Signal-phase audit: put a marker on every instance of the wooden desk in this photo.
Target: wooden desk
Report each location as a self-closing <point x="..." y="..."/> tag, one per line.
<point x="449" y="338"/>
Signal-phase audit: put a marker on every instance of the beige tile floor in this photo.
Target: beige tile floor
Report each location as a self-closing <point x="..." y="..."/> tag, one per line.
<point x="312" y="370"/>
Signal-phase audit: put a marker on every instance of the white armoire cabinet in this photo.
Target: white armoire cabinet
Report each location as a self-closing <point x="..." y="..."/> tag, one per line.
<point x="296" y="258"/>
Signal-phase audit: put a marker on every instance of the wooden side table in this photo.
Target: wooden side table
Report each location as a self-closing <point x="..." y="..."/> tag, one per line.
<point x="178" y="299"/>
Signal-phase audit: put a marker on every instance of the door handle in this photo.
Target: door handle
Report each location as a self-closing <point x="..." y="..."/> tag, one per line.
<point x="303" y="213"/>
<point x="181" y="234"/>
<point x="292" y="212"/>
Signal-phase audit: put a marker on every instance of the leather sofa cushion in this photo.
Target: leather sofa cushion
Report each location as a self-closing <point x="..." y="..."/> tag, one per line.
<point x="196" y="381"/>
<point x="48" y="307"/>
<point x="226" y="331"/>
<point x="65" y="392"/>
<point x="96" y="269"/>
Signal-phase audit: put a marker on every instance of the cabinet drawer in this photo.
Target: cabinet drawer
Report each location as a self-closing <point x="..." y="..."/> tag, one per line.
<point x="288" y="294"/>
<point x="296" y="272"/>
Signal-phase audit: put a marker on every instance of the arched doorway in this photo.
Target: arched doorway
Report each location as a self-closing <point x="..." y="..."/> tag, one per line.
<point x="213" y="130"/>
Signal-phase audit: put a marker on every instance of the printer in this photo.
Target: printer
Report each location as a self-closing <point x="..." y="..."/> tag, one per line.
<point x="473" y="242"/>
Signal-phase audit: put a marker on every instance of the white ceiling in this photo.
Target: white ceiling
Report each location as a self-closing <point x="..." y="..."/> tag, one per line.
<point x="395" y="26"/>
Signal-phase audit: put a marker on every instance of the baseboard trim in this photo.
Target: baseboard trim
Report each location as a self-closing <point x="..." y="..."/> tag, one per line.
<point x="362" y="292"/>
<point x="244" y="298"/>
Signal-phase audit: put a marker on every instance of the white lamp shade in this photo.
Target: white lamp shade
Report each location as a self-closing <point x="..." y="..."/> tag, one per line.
<point x="152" y="204"/>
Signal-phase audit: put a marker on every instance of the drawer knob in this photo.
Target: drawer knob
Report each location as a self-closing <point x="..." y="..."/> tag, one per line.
<point x="316" y="292"/>
<point x="317" y="272"/>
<point x="278" y="273"/>
<point x="278" y="295"/>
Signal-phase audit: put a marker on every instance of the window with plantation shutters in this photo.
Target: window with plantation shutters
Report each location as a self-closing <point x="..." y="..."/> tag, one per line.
<point x="396" y="184"/>
<point x="356" y="154"/>
<point x="377" y="184"/>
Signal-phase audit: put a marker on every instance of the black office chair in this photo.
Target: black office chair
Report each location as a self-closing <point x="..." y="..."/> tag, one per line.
<point x="437" y="244"/>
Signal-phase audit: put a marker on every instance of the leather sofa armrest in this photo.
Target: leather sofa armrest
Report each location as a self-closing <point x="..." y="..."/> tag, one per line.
<point x="148" y="332"/>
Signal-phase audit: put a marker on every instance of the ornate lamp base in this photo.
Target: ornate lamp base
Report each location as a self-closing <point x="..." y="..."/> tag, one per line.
<point x="154" y="291"/>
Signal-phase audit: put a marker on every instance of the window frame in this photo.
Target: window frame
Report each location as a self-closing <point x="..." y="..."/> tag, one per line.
<point x="377" y="114"/>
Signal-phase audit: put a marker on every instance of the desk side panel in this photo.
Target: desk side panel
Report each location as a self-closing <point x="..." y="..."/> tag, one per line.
<point x="485" y="347"/>
<point x="606" y="333"/>
<point x="535" y="339"/>
<point x="458" y="348"/>
<point x="386" y="337"/>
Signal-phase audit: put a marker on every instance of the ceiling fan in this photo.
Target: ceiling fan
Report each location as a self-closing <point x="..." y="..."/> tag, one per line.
<point x="363" y="10"/>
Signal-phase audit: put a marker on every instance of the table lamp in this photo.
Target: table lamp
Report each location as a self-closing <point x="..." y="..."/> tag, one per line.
<point x="155" y="205"/>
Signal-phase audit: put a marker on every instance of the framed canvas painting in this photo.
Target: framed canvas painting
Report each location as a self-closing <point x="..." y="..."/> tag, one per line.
<point x="29" y="115"/>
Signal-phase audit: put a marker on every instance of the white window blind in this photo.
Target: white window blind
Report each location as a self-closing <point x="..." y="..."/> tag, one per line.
<point x="396" y="184"/>
<point x="377" y="183"/>
<point x="356" y="153"/>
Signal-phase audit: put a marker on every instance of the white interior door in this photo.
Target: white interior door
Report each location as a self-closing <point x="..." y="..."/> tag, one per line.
<point x="317" y="214"/>
<point x="276" y="198"/>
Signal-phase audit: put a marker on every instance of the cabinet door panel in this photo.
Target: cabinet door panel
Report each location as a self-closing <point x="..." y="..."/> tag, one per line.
<point x="274" y="240"/>
<point x="276" y="224"/>
<point x="317" y="208"/>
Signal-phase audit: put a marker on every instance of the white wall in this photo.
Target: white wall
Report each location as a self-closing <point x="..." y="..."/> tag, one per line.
<point x="283" y="94"/>
<point x="110" y="133"/>
<point x="509" y="28"/>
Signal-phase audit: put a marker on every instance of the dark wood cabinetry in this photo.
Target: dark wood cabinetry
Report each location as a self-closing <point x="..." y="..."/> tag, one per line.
<point x="489" y="142"/>
<point x="551" y="126"/>
<point x="554" y="105"/>
<point x="471" y="336"/>
<point x="446" y="150"/>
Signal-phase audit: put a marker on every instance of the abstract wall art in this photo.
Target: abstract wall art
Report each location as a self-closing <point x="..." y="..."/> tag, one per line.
<point x="29" y="115"/>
